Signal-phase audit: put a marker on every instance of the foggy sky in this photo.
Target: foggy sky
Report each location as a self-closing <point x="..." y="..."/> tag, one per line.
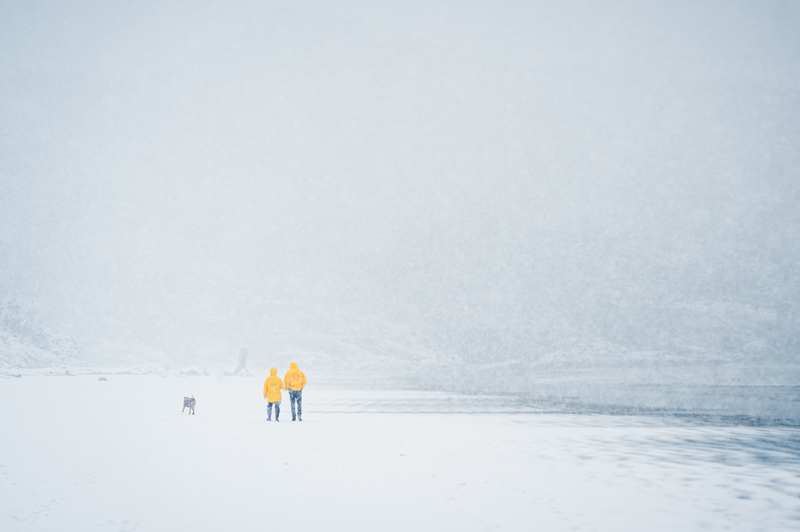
<point x="470" y="179"/>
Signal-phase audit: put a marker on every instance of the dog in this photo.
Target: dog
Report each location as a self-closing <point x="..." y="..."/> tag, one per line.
<point x="189" y="402"/>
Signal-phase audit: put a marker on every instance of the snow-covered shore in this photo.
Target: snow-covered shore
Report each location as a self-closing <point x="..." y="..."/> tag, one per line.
<point x="83" y="454"/>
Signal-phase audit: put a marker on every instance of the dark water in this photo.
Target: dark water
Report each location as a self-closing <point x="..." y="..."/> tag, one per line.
<point x="729" y="404"/>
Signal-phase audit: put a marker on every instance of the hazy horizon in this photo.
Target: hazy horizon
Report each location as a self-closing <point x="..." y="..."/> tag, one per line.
<point x="467" y="182"/>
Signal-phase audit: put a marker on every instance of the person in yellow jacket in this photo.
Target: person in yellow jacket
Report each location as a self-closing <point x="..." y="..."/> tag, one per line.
<point x="295" y="381"/>
<point x="272" y="393"/>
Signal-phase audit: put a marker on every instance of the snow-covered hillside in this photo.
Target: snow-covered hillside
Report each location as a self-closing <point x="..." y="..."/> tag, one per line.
<point x="26" y="343"/>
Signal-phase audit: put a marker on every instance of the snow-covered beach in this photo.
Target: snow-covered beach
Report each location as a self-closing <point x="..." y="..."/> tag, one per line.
<point x="538" y="259"/>
<point x="83" y="454"/>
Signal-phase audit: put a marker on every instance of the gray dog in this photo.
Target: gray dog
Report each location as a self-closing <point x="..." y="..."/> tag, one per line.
<point x="189" y="402"/>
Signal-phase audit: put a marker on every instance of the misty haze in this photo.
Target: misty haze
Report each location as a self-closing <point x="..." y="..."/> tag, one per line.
<point x="539" y="262"/>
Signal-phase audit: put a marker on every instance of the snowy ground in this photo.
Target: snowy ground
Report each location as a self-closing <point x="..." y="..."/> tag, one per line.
<point x="81" y="454"/>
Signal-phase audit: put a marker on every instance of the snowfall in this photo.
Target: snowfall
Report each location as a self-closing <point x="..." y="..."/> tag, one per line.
<point x="81" y="453"/>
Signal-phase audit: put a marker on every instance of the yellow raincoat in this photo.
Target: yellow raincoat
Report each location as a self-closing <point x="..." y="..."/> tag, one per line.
<point x="295" y="379"/>
<point x="273" y="386"/>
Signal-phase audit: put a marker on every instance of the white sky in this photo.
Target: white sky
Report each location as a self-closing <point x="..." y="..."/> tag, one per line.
<point x="481" y="178"/>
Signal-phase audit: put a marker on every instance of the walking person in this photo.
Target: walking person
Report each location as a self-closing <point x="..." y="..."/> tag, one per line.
<point x="272" y="393"/>
<point x="295" y="381"/>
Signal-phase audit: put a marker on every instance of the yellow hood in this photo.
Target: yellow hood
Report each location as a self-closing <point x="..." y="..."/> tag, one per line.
<point x="295" y="379"/>
<point x="273" y="386"/>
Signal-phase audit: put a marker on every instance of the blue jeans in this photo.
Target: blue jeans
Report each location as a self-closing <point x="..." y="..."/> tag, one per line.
<point x="296" y="396"/>
<point x="277" y="410"/>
